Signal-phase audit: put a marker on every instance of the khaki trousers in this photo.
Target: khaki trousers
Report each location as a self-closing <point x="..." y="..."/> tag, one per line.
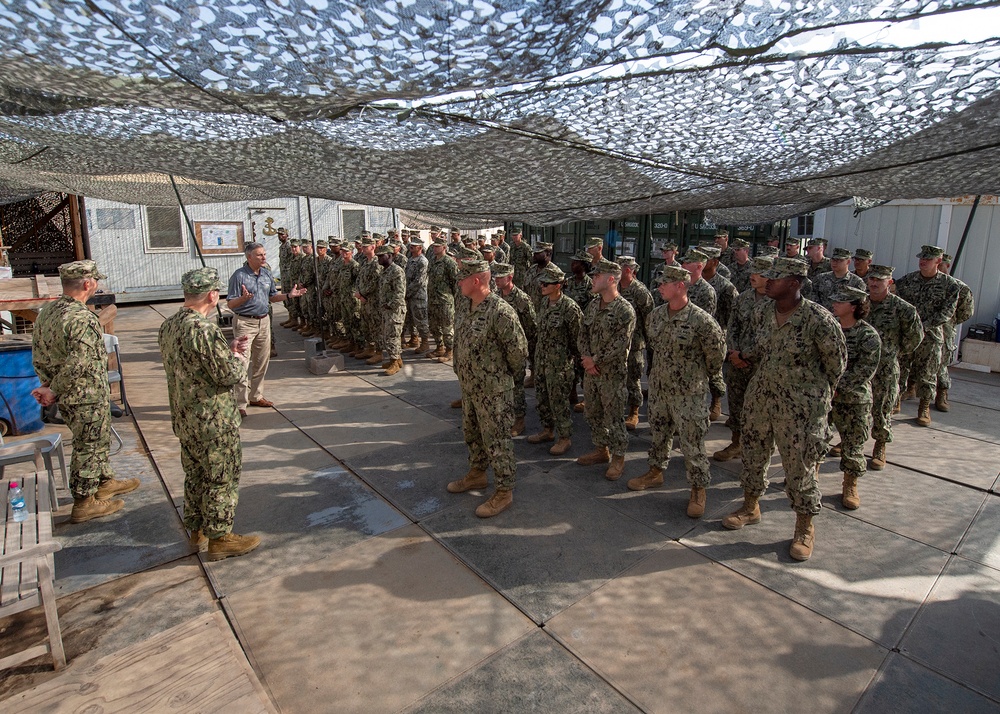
<point x="259" y="332"/>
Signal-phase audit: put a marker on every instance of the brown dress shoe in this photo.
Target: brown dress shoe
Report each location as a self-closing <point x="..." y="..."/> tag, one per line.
<point x="262" y="403"/>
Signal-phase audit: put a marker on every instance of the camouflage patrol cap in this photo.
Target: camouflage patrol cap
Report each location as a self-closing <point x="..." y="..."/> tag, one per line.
<point x="367" y="239"/>
<point x="472" y="267"/>
<point x="439" y="240"/>
<point x="669" y="245"/>
<point x="346" y="244"/>
<point x="366" y="233"/>
<point x="768" y="250"/>
<point x="417" y="244"/>
<point x="296" y="242"/>
<point x="322" y="244"/>
<point x="880" y="272"/>
<point x="930" y="251"/>
<point x="435" y="229"/>
<point x="627" y="261"/>
<point x="468" y="254"/>
<point x="455" y="231"/>
<point x="947" y="259"/>
<point x="737" y="243"/>
<point x="501" y="270"/>
<point x="384" y="250"/>
<point x="862" y="254"/>
<point x="813" y="242"/>
<point x="841" y="254"/>
<point x="761" y="264"/>
<point x="712" y="251"/>
<point x="378" y="236"/>
<point x="594" y="242"/>
<point x="845" y="293"/>
<point x="787" y="268"/>
<point x="282" y="231"/>
<point x="694" y="255"/>
<point x="582" y="256"/>
<point x="539" y="246"/>
<point x="80" y="269"/>
<point x="607" y="266"/>
<point x="672" y="274"/>
<point x="551" y="275"/>
<point x="395" y="242"/>
<point x="392" y="232"/>
<point x="515" y="231"/>
<point x="200" y="281"/>
<point x="487" y="248"/>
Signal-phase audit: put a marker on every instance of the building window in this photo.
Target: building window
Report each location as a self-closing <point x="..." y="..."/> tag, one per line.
<point x="804" y="225"/>
<point x="352" y="222"/>
<point x="163" y="230"/>
<point x="115" y="219"/>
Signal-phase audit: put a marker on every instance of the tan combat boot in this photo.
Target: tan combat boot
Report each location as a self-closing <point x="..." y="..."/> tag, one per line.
<point x="941" y="400"/>
<point x="924" y="413"/>
<point x="600" y="455"/>
<point x="696" y="504"/>
<point x="560" y="447"/>
<point x="615" y="468"/>
<point x="500" y="501"/>
<point x="198" y="542"/>
<point x="745" y="515"/>
<point x="878" y="456"/>
<point x="423" y="346"/>
<point x="730" y="452"/>
<point x="287" y="323"/>
<point x="475" y="479"/>
<point x="518" y="427"/>
<point x="308" y="331"/>
<point x="805" y="535"/>
<point x="836" y="450"/>
<point x="413" y="341"/>
<point x="446" y="357"/>
<point x="910" y="393"/>
<point x="715" y="411"/>
<point x="437" y="352"/>
<point x="89" y="508"/>
<point x="457" y="404"/>
<point x="365" y="353"/>
<point x="231" y="545"/>
<point x="393" y="367"/>
<point x="580" y="407"/>
<point x="899" y="406"/>
<point x="650" y="479"/>
<point x="374" y="359"/>
<point x="115" y="487"/>
<point x="632" y="420"/>
<point x="850" y="498"/>
<point x="545" y="434"/>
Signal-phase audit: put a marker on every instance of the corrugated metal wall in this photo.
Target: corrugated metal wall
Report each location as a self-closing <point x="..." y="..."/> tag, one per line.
<point x="896" y="231"/>
<point x="136" y="272"/>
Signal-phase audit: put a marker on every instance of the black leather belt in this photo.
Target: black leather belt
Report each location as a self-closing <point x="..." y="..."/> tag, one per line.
<point x="251" y="317"/>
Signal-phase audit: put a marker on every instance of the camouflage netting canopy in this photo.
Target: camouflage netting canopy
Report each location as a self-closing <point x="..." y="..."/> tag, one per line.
<point x="474" y="111"/>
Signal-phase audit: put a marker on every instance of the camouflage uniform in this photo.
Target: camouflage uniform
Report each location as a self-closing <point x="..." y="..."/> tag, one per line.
<point x="963" y="311"/>
<point x="742" y="335"/>
<point x="702" y="294"/>
<point x="815" y="269"/>
<point x="688" y="347"/>
<point x="532" y="287"/>
<point x="519" y="300"/>
<point x="520" y="258"/>
<point x="936" y="299"/>
<point x="70" y="358"/>
<point x="605" y="337"/>
<point x="641" y="301"/>
<point x="325" y="312"/>
<point x="788" y="401"/>
<point x="741" y="275"/>
<point x="579" y="290"/>
<point x="442" y="276"/>
<point x="557" y="353"/>
<point x="416" y="296"/>
<point x="307" y="279"/>
<point x="367" y="286"/>
<point x="392" y="310"/>
<point x="899" y="330"/>
<point x="349" y="306"/>
<point x="725" y="299"/>
<point x="852" y="401"/>
<point x="284" y="265"/>
<point x="201" y="372"/>
<point x="291" y="275"/>
<point x="493" y="353"/>
<point x="827" y="284"/>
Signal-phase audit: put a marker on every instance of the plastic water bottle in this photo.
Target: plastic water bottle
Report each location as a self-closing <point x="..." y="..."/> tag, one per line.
<point x="16" y="500"/>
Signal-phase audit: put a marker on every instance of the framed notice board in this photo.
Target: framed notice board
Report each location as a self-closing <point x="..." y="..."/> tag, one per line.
<point x="219" y="237"/>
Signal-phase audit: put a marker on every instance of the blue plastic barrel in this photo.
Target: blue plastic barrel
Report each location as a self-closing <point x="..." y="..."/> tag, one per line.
<point x="17" y="378"/>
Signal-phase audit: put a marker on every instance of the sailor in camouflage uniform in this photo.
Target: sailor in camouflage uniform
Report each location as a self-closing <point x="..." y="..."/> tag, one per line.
<point x="862" y="259"/>
<point x="741" y="338"/>
<point x="442" y="284"/>
<point x="701" y="293"/>
<point x="899" y="329"/>
<point x="290" y="277"/>
<point x="541" y="256"/>
<point x="825" y="285"/>
<point x="557" y="354"/>
<point x="71" y="361"/>
<point x="350" y="306"/>
<point x="935" y="295"/>
<point x="285" y="258"/>
<point x="741" y="266"/>
<point x="325" y="262"/>
<point x="202" y="370"/>
<point x="605" y="337"/>
<point x="520" y="258"/>
<point x="852" y="400"/>
<point x="307" y="279"/>
<point x="366" y="290"/>
<point x="578" y="288"/>
<point x="963" y="311"/>
<point x="642" y="303"/>
<point x="799" y="360"/>
<point x="688" y="347"/>
<point x="416" y="298"/>
<point x="493" y="353"/>
<point x="502" y="277"/>
<point x="392" y="309"/>
<point x="818" y="263"/>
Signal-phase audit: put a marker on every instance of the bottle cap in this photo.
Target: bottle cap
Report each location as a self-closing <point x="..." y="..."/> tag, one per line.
<point x="13" y="484"/>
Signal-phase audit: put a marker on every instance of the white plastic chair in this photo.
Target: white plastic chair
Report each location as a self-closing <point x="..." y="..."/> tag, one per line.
<point x="37" y="450"/>
<point x="116" y="376"/>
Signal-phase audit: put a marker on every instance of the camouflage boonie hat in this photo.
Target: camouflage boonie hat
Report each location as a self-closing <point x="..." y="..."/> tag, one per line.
<point x="322" y="244"/>
<point x="472" y="267"/>
<point x="813" y="242"/>
<point x="787" y="268"/>
<point x="199" y="281"/>
<point x="501" y="270"/>
<point x="947" y="258"/>
<point x="367" y="240"/>
<point x="848" y="294"/>
<point x="739" y="243"/>
<point x="627" y="261"/>
<point x="761" y="264"/>
<point x="539" y="246"/>
<point x="384" y="250"/>
<point x="930" y="251"/>
<point x="768" y="250"/>
<point x="607" y="266"/>
<point x="80" y="269"/>
<point x="880" y="272"/>
<point x="862" y="254"/>
<point x="694" y="255"/>
<point x="440" y="240"/>
<point x="551" y="274"/>
<point x="671" y="274"/>
<point x="668" y="245"/>
<point x="594" y="241"/>
<point x="582" y="256"/>
<point x="840" y="254"/>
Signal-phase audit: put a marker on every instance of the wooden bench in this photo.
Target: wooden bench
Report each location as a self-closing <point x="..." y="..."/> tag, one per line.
<point x="27" y="574"/>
